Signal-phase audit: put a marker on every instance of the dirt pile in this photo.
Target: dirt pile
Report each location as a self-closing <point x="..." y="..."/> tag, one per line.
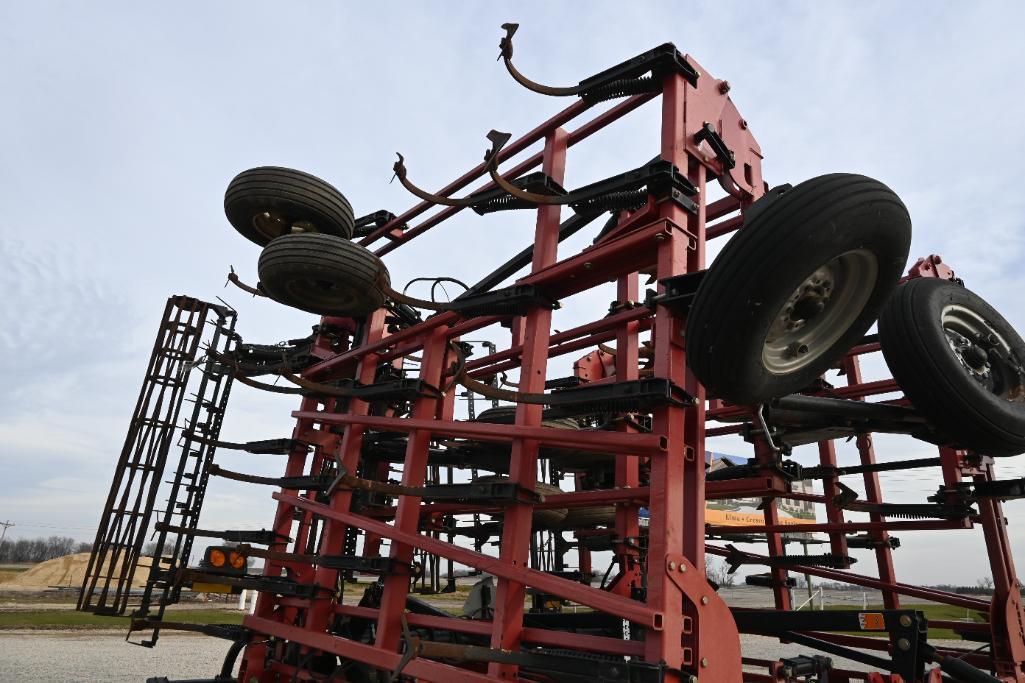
<point x="67" y="571"/>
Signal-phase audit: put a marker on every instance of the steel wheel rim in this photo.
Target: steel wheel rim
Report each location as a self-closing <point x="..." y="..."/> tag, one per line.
<point x="982" y="352"/>
<point x="271" y="225"/>
<point x="819" y="312"/>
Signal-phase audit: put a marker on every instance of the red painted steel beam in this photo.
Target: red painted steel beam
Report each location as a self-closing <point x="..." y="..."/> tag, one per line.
<point x="631" y="610"/>
<point x="873" y="491"/>
<point x="599" y="441"/>
<point x="423" y="669"/>
<point x="407" y="513"/>
<point x="724" y="227"/>
<point x="535" y="636"/>
<point x="517" y="522"/>
<point x="601" y="262"/>
<point x="611" y="323"/>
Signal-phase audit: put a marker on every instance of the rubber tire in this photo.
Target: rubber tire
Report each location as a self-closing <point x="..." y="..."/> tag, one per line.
<point x="590" y="518"/>
<point x="295" y="195"/>
<point x="506" y="415"/>
<point x="964" y="414"/>
<point x="762" y="265"/>
<point x="357" y="278"/>
<point x="541" y="519"/>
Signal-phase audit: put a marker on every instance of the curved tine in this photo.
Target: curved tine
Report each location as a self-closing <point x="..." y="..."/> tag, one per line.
<point x="506" y="53"/>
<point x="400" y="172"/>
<point x="498" y="140"/>
<point x="266" y="387"/>
<point x="234" y="279"/>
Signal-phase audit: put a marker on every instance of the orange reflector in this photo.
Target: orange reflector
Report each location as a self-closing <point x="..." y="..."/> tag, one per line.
<point x="238" y="560"/>
<point x="871" y="621"/>
<point x="217" y="558"/>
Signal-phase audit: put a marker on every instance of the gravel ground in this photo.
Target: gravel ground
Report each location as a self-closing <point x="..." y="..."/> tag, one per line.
<point x="59" y="657"/>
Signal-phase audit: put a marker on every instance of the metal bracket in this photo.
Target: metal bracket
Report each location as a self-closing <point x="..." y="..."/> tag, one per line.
<point x="662" y="178"/>
<point x="367" y="224"/>
<point x="724" y="154"/>
<point x="716" y="649"/>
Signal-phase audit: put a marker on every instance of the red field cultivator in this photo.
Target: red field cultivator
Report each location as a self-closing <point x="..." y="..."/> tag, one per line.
<point x="606" y="462"/>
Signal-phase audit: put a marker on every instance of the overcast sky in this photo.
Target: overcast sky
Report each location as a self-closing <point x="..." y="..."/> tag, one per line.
<point x="122" y="123"/>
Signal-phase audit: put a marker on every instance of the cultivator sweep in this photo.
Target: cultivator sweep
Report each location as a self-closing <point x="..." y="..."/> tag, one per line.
<point x="610" y="459"/>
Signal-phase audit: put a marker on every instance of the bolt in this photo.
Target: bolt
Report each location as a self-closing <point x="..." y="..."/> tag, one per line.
<point x="704" y="599"/>
<point x="905" y="621"/>
<point x="743" y="124"/>
<point x="660" y="237"/>
<point x="672" y="566"/>
<point x="588" y="265"/>
<point x="904" y="644"/>
<point x="704" y="661"/>
<point x="724" y="87"/>
<point x="692" y="679"/>
<point x="683" y="567"/>
<point x="796" y="349"/>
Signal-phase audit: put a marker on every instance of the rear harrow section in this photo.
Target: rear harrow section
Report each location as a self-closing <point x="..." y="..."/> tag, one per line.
<point x="591" y="490"/>
<point x="187" y="327"/>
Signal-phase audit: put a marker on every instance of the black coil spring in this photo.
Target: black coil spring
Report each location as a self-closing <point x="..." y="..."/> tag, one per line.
<point x="613" y="201"/>
<point x="622" y="87"/>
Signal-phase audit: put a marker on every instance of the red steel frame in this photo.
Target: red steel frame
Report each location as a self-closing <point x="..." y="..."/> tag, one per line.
<point x="687" y="625"/>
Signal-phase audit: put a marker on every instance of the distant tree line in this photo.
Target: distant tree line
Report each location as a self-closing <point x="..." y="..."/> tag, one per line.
<point x="41" y="549"/>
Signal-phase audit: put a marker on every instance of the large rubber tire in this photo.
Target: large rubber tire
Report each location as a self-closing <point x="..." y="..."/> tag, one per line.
<point x="541" y="519"/>
<point x="323" y="274"/>
<point x="965" y="412"/>
<point x="590" y="518"/>
<point x="822" y="257"/>
<point x="266" y="202"/>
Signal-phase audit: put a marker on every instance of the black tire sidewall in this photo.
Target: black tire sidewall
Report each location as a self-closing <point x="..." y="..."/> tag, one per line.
<point x="299" y="195"/>
<point x="930" y="374"/>
<point x="316" y="255"/>
<point x="767" y="261"/>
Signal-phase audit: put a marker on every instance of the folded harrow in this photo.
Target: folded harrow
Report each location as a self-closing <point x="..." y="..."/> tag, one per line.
<point x="611" y="458"/>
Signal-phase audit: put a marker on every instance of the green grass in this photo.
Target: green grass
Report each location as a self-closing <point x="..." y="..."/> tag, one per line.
<point x="932" y="612"/>
<point x="70" y="619"/>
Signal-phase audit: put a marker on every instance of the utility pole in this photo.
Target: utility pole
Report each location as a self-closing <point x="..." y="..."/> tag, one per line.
<point x="4" y="524"/>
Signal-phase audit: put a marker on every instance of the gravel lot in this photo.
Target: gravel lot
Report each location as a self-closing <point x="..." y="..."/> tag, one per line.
<point x="58" y="657"/>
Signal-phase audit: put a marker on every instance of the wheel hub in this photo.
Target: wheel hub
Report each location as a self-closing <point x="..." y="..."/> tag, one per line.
<point x="983" y="353"/>
<point x="819" y="311"/>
